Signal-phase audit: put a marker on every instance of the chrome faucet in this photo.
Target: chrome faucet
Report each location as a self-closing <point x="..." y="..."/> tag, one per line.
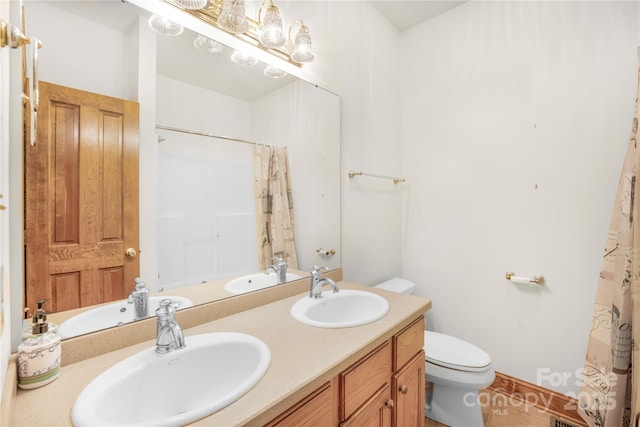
<point x="170" y="336"/>
<point x="316" y="282"/>
<point x="140" y="300"/>
<point x="280" y="268"/>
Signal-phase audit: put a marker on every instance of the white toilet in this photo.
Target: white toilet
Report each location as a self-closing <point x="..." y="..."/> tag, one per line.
<point x="457" y="370"/>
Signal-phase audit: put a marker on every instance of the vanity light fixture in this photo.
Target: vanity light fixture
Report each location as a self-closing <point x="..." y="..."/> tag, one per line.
<point x="164" y="26"/>
<point x="191" y="4"/>
<point x="232" y="17"/>
<point x="264" y="37"/>
<point x="244" y="59"/>
<point x="270" y="28"/>
<point x="300" y="47"/>
<point x="274" y="72"/>
<point x="206" y="45"/>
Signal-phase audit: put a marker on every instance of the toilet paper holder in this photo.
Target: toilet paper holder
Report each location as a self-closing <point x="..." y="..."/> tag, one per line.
<point x="327" y="252"/>
<point x="537" y="279"/>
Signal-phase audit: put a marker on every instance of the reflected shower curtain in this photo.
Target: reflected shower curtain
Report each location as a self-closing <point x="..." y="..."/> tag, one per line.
<point x="609" y="394"/>
<point x="274" y="206"/>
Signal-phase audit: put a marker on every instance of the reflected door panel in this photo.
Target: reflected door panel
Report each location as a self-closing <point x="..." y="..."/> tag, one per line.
<point x="81" y="199"/>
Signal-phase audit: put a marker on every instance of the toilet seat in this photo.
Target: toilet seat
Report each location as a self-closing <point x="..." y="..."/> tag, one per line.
<point x="454" y="353"/>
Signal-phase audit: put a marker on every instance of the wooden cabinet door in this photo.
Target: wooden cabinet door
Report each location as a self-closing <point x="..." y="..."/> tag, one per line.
<point x="375" y="413"/>
<point x="316" y="410"/>
<point x="81" y="200"/>
<point x="364" y="378"/>
<point x="408" y="393"/>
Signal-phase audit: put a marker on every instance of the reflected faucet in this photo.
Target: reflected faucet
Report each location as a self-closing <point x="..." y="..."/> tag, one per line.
<point x="170" y="336"/>
<point x="316" y="281"/>
<point x="280" y="268"/>
<point x="140" y="300"/>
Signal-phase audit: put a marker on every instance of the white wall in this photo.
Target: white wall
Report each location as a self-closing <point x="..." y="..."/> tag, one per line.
<point x="358" y="58"/>
<point x="68" y="40"/>
<point x="515" y="120"/>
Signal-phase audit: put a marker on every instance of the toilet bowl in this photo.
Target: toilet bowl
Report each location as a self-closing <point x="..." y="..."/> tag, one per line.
<point x="454" y="369"/>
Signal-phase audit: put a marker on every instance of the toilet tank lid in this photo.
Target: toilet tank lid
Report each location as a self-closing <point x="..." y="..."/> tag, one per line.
<point x="397" y="284"/>
<point x="454" y="353"/>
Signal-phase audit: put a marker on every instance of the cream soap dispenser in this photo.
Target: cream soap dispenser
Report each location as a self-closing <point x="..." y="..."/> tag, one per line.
<point x="39" y="354"/>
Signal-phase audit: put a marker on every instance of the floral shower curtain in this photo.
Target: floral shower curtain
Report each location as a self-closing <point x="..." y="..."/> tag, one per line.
<point x="274" y="206"/>
<point x="609" y="394"/>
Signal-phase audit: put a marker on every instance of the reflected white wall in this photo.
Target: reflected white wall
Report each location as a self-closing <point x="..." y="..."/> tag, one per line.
<point x="206" y="204"/>
<point x="307" y="120"/>
<point x="358" y="58"/>
<point x="205" y="207"/>
<point x="103" y="50"/>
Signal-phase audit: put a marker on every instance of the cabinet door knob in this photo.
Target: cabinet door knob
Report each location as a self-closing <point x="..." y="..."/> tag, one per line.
<point x="389" y="404"/>
<point x="404" y="389"/>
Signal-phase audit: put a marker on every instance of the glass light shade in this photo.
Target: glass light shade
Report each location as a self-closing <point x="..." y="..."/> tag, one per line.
<point x="191" y="4"/>
<point x="302" y="47"/>
<point x="242" y="58"/>
<point x="206" y="45"/>
<point x="232" y="17"/>
<point x="272" y="33"/>
<point x="162" y="25"/>
<point x="273" y="72"/>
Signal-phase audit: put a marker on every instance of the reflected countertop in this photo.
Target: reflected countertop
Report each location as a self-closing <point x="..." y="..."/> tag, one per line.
<point x="200" y="293"/>
<point x="301" y="361"/>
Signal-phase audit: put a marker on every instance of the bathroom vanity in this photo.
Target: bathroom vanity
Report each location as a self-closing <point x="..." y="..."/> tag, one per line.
<point x="366" y="375"/>
<point x="365" y="394"/>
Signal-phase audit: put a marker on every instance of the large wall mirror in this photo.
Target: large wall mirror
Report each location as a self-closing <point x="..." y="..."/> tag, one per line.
<point x="210" y="114"/>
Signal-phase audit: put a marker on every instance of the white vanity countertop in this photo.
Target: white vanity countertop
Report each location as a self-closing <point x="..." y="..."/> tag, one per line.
<point x="302" y="359"/>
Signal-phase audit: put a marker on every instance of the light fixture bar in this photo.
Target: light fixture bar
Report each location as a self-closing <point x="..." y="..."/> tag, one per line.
<point x="203" y="23"/>
<point x="210" y="15"/>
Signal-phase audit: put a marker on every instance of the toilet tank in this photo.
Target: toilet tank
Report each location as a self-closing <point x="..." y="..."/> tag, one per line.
<point x="399" y="285"/>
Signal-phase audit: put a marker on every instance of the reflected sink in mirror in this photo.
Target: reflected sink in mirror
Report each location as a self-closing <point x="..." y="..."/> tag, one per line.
<point x="343" y="309"/>
<point x="174" y="388"/>
<point x="253" y="282"/>
<point x="110" y="315"/>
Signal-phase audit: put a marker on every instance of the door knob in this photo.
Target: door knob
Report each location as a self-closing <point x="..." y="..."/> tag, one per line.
<point x="131" y="253"/>
<point x="389" y="404"/>
<point x="404" y="389"/>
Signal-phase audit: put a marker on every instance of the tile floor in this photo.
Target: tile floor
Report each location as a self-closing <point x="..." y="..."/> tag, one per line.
<point x="499" y="410"/>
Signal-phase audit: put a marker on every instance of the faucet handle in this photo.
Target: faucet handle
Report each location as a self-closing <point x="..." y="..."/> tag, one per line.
<point x="140" y="285"/>
<point x="317" y="269"/>
<point x="277" y="259"/>
<point x="167" y="308"/>
<point x="139" y="291"/>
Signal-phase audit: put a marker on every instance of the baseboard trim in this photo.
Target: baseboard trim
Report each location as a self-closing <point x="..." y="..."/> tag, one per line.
<point x="539" y="397"/>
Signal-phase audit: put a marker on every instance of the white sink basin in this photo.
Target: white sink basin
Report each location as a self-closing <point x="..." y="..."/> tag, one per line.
<point x="340" y="310"/>
<point x="174" y="388"/>
<point x="253" y="282"/>
<point x="110" y="315"/>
